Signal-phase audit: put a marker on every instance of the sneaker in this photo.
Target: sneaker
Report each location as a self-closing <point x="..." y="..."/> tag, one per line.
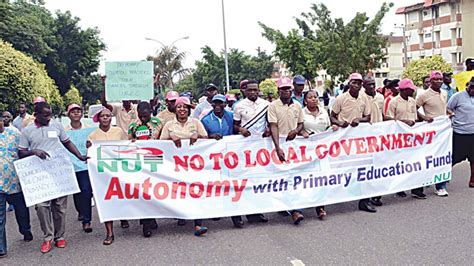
<point x="418" y="195"/>
<point x="441" y="192"/>
<point x="61" y="243"/>
<point x="46" y="246"/>
<point x="27" y="237"/>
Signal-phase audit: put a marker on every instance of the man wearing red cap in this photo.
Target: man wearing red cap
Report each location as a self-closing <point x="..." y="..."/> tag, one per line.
<point x="29" y="119"/>
<point x="434" y="102"/>
<point x="286" y="119"/>
<point x="403" y="108"/>
<point x="352" y="108"/>
<point x="168" y="114"/>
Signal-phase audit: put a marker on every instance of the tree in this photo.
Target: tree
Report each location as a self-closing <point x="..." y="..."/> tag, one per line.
<point x="321" y="42"/>
<point x="187" y="84"/>
<point x="72" y="96"/>
<point x="168" y="65"/>
<point x="90" y="88"/>
<point x="417" y="69"/>
<point x="22" y="79"/>
<point x="211" y="69"/>
<point x="69" y="52"/>
<point x="268" y="86"/>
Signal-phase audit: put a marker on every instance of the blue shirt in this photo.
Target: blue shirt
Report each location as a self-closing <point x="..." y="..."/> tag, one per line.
<point x="296" y="100"/>
<point x="215" y="125"/>
<point x="462" y="104"/>
<point x="450" y="90"/>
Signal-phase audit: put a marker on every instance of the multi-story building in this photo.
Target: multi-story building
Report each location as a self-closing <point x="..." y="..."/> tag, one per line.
<point x="467" y="12"/>
<point x="391" y="66"/>
<point x="435" y="27"/>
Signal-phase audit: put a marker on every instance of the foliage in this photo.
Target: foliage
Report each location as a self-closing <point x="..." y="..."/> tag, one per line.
<point x="22" y="79"/>
<point x="187" y="84"/>
<point x="168" y="64"/>
<point x="72" y="96"/>
<point x="234" y="91"/>
<point x="417" y="69"/>
<point x="90" y="88"/>
<point x="211" y="69"/>
<point x="268" y="86"/>
<point x="69" y="52"/>
<point x="321" y="42"/>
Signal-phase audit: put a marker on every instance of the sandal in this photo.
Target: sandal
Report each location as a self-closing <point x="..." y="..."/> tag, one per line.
<point x="108" y="240"/>
<point x="124" y="224"/>
<point x="471" y="184"/>
<point x="321" y="212"/>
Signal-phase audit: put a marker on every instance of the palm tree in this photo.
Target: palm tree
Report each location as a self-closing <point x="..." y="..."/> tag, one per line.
<point x="168" y="66"/>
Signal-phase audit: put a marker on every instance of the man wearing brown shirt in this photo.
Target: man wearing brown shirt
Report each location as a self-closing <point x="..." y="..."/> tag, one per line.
<point x="168" y="114"/>
<point x="433" y="102"/>
<point x="286" y="119"/>
<point x="352" y="108"/>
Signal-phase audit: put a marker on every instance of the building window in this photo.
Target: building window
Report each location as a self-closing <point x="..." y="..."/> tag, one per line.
<point x="435" y="11"/>
<point x="384" y="75"/>
<point x="458" y="33"/>
<point x="428" y="35"/>
<point x="460" y="61"/>
<point x="377" y="75"/>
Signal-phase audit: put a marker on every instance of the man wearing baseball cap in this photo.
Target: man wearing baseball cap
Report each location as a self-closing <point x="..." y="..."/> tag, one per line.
<point x="168" y="114"/>
<point x="83" y="199"/>
<point x="205" y="107"/>
<point x="434" y="102"/>
<point x="447" y="79"/>
<point x="462" y="104"/>
<point x="463" y="78"/>
<point x="286" y="119"/>
<point x="298" y="87"/>
<point x="403" y="108"/>
<point x="352" y="108"/>
<point x="30" y="119"/>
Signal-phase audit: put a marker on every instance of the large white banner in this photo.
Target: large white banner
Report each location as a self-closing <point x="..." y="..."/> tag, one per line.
<point x="43" y="180"/>
<point x="237" y="175"/>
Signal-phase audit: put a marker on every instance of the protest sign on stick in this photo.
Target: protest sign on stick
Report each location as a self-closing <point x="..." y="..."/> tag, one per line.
<point x="129" y="81"/>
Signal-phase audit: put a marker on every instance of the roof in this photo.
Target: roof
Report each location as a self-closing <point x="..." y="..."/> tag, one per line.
<point x="419" y="5"/>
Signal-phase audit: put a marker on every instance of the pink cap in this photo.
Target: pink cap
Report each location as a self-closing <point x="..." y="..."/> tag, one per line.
<point x="182" y="100"/>
<point x="172" y="95"/>
<point x="230" y="97"/>
<point x="436" y="74"/>
<point x="284" y="82"/>
<point x="95" y="118"/>
<point x="38" y="99"/>
<point x="355" y="76"/>
<point x="73" y="106"/>
<point x="406" y="84"/>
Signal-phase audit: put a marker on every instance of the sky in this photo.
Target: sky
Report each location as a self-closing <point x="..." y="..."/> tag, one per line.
<point x="124" y="25"/>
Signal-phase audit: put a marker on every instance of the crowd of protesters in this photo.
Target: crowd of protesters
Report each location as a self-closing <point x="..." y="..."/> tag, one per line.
<point x="296" y="112"/>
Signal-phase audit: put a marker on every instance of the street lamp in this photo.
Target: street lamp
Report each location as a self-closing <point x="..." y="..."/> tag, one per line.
<point x="225" y="52"/>
<point x="163" y="45"/>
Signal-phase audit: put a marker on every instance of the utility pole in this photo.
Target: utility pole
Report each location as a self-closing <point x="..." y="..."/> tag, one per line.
<point x="225" y="52"/>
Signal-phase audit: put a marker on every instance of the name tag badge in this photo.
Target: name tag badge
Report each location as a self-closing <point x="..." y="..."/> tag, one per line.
<point x="52" y="134"/>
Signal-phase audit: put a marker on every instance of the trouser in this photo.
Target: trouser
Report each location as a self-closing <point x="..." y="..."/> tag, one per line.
<point x="83" y="199"/>
<point x="364" y="201"/>
<point x="147" y="222"/>
<point x="442" y="185"/>
<point x="417" y="190"/>
<point x="22" y="213"/>
<point x="52" y="218"/>
<point x="3" y="222"/>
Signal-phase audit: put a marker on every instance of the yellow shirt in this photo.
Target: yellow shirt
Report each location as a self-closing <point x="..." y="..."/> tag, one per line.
<point x="124" y="118"/>
<point x="400" y="109"/>
<point x="433" y="103"/>
<point x="376" y="107"/>
<point x="165" y="116"/>
<point x="349" y="108"/>
<point x="114" y="133"/>
<point x="287" y="117"/>
<point x="175" y="128"/>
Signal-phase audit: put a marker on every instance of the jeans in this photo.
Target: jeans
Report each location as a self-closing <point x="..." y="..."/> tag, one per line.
<point x="442" y="185"/>
<point x="83" y="199"/>
<point x="3" y="222"/>
<point x="22" y="213"/>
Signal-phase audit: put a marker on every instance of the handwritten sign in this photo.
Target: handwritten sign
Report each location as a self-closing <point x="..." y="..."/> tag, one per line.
<point x="129" y="81"/>
<point x="79" y="138"/>
<point x="44" y="180"/>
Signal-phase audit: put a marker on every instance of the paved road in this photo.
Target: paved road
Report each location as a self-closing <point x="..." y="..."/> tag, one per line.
<point x="403" y="231"/>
